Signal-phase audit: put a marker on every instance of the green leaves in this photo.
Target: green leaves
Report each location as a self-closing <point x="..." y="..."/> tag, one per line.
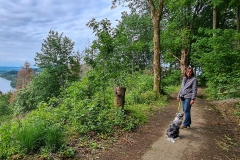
<point x="5" y="108"/>
<point x="56" y="57"/>
<point x="219" y="56"/>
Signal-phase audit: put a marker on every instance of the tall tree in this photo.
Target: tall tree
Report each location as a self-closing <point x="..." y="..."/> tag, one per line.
<point x="103" y="62"/>
<point x="156" y="8"/>
<point x="57" y="57"/>
<point x="215" y="4"/>
<point x="24" y="76"/>
<point x="236" y="4"/>
<point x="134" y="38"/>
<point x="59" y="64"/>
<point x="180" y="29"/>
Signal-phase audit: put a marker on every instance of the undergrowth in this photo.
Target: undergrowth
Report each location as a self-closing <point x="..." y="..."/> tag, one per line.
<point x="81" y="114"/>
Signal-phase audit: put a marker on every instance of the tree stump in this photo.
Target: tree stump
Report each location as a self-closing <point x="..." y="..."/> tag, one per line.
<point x="119" y="96"/>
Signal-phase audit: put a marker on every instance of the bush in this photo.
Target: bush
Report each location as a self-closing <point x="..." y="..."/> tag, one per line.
<point x="4" y="105"/>
<point x="85" y="115"/>
<point x="8" y="146"/>
<point x="137" y="85"/>
<point x="25" y="100"/>
<point x="168" y="90"/>
<point x="36" y="131"/>
<point x="32" y="135"/>
<point x="172" y="78"/>
<point x="149" y="97"/>
<point x="40" y="89"/>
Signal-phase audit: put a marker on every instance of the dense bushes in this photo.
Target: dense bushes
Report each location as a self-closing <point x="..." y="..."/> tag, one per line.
<point x="37" y="133"/>
<point x="80" y="109"/>
<point x="219" y="58"/>
<point x="4" y="105"/>
<point x="31" y="134"/>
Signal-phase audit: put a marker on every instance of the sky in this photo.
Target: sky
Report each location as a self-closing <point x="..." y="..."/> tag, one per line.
<point x="25" y="23"/>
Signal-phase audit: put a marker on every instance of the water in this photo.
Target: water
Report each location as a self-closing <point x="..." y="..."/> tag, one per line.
<point x="5" y="85"/>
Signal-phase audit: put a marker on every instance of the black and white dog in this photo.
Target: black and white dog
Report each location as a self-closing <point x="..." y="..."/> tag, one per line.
<point x="173" y="131"/>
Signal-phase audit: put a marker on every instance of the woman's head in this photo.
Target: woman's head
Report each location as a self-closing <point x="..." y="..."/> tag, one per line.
<point x="189" y="72"/>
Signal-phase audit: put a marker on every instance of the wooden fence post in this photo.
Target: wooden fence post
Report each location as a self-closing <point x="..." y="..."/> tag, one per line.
<point x="119" y="96"/>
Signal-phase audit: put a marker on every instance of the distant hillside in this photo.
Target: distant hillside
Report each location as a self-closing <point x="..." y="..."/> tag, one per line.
<point x="10" y="73"/>
<point x="4" y="69"/>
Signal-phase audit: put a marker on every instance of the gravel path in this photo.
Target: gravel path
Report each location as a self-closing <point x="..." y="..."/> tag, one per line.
<point x="190" y="139"/>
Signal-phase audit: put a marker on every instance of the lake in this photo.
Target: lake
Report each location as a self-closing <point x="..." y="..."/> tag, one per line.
<point x="5" y="85"/>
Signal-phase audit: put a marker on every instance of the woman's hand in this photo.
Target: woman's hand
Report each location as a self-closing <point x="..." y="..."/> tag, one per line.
<point x="191" y="102"/>
<point x="178" y="99"/>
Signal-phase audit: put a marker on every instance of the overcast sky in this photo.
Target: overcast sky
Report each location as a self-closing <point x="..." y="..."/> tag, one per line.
<point x="25" y="23"/>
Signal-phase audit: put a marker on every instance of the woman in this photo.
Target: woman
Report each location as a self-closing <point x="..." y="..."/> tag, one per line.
<point x="187" y="94"/>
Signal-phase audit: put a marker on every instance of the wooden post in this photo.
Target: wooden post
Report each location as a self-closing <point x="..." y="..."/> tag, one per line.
<point x="119" y="96"/>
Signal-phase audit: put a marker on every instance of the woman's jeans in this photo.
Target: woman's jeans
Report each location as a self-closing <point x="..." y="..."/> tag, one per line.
<point x="186" y="107"/>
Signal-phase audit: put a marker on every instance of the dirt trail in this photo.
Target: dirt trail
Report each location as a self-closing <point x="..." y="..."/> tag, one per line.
<point x="190" y="139"/>
<point x="211" y="137"/>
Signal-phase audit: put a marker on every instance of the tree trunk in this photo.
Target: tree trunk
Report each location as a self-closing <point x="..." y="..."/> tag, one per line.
<point x="132" y="62"/>
<point x="238" y="18"/>
<point x="214" y="17"/>
<point x="156" y="12"/>
<point x="183" y="61"/>
<point x="156" y="60"/>
<point x="238" y="21"/>
<point x="119" y="96"/>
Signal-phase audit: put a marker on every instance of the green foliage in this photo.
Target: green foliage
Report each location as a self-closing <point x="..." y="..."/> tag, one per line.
<point x="81" y="109"/>
<point x="59" y="60"/>
<point x="6" y="140"/>
<point x="168" y="90"/>
<point x="60" y="66"/>
<point x="134" y="36"/>
<point x="219" y="56"/>
<point x="171" y="77"/>
<point x="25" y="100"/>
<point x="84" y="107"/>
<point x="67" y="152"/>
<point x="87" y="111"/>
<point x="39" y="130"/>
<point x="4" y="104"/>
<point x="36" y="133"/>
<point x="137" y="85"/>
<point x="139" y="113"/>
<point x="44" y="85"/>
<point x="123" y="50"/>
<point x="149" y="96"/>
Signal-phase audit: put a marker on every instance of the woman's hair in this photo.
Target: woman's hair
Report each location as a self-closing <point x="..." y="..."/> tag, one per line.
<point x="189" y="69"/>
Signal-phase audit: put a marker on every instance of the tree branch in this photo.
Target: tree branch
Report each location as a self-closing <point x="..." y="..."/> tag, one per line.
<point x="175" y="57"/>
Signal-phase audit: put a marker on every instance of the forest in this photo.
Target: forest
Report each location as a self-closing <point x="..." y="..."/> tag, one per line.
<point x="69" y="105"/>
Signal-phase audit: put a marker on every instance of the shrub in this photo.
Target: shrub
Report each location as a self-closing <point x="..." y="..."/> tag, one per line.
<point x="149" y="97"/>
<point x="37" y="133"/>
<point x="4" y="105"/>
<point x="7" y="141"/>
<point x="31" y="134"/>
<point x="172" y="78"/>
